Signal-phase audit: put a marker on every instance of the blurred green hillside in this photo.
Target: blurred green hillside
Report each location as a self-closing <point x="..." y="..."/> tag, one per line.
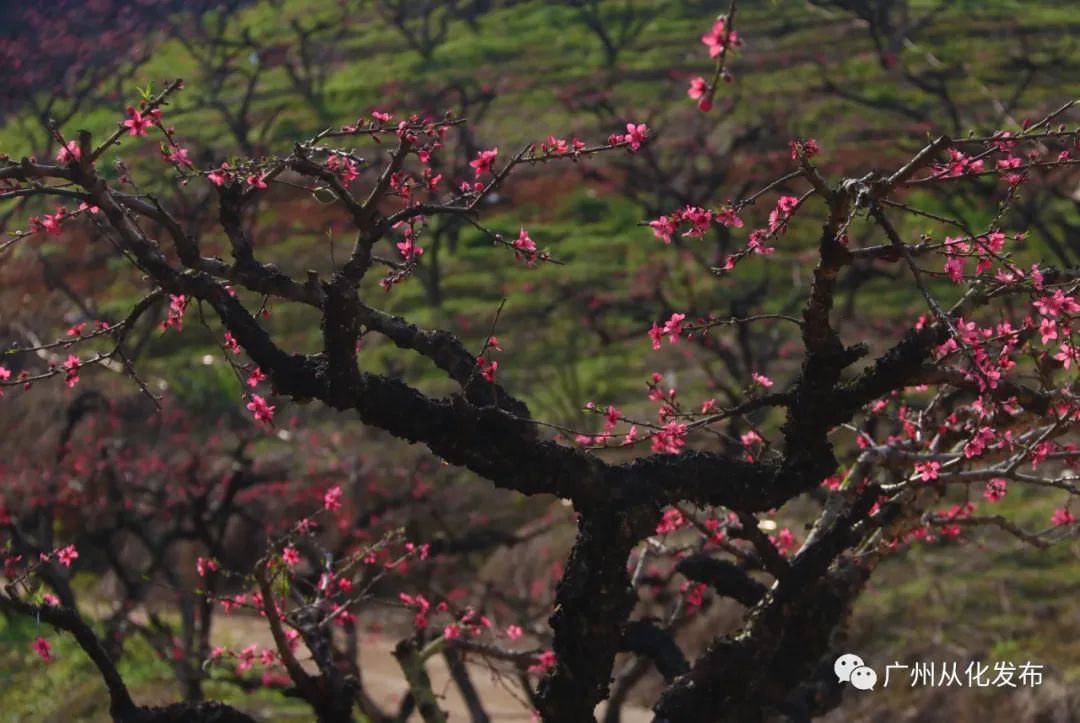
<point x="807" y="70"/>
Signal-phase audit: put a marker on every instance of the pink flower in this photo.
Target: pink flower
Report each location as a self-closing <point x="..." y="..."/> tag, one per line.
<point x="137" y="123"/>
<point x="1054" y="305"/>
<point x="41" y="647"/>
<point x="611" y="418"/>
<point x="977" y="444"/>
<point x="380" y="116"/>
<point x="762" y="380"/>
<point x="785" y="541"/>
<point x="69" y="152"/>
<point x="332" y="499"/>
<point x="71" y="367"/>
<point x="177" y="306"/>
<point x="1040" y="452"/>
<point x="230" y="343"/>
<point x="67" y="555"/>
<point x="263" y="411"/>
<point x="1062" y="516"/>
<point x="1048" y="330"/>
<point x="728" y="217"/>
<point x="257" y="180"/>
<point x="656" y="334"/>
<point x="256" y="377"/>
<point x="290" y="556"/>
<point x="202" y="566"/>
<point x="293" y="637"/>
<point x="779" y="215"/>
<point x="179" y="157"/>
<point x="487" y="369"/>
<point x="670" y="522"/>
<point x="754" y="244"/>
<point x="1066" y="355"/>
<point x="673" y="327"/>
<point x="513" y="632"/>
<point x="545" y="662"/>
<point x="700" y="220"/>
<point x="220" y="176"/>
<point x="995" y="490"/>
<point x="695" y="595"/>
<point x="525" y="248"/>
<point x="663" y="227"/>
<point x="750" y="438"/>
<point x="996" y="241"/>
<point x="635" y="135"/>
<point x="928" y="471"/>
<point x="954" y="267"/>
<point x="671" y="439"/>
<point x="343" y="168"/>
<point x="558" y="146"/>
<point x="960" y="164"/>
<point x="808" y="147"/>
<point x="422" y="606"/>
<point x="50" y="224"/>
<point x="1003" y="142"/>
<point x="483" y="161"/>
<point x="698" y="89"/>
<point x="718" y="38"/>
<point x="410" y="251"/>
<point x="246" y="658"/>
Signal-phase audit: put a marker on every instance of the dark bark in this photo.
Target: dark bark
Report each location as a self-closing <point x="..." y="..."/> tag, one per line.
<point x="648" y="639"/>
<point x="460" y="675"/>
<point x="772" y="666"/>
<point x="724" y="577"/>
<point x="592" y="603"/>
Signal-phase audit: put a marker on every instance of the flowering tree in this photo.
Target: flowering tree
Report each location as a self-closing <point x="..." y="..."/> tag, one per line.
<point x="169" y="513"/>
<point x="891" y="434"/>
<point x="76" y="49"/>
<point x="615" y="28"/>
<point x="423" y="26"/>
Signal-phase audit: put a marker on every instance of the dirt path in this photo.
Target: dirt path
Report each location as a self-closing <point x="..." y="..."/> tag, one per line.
<point x="384" y="682"/>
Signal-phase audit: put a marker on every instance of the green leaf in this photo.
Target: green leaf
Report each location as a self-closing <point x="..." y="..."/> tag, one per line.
<point x="324" y="195"/>
<point x="283" y="584"/>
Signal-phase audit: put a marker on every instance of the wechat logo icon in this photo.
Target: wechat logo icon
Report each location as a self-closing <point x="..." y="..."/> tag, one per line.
<point x="850" y="668"/>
